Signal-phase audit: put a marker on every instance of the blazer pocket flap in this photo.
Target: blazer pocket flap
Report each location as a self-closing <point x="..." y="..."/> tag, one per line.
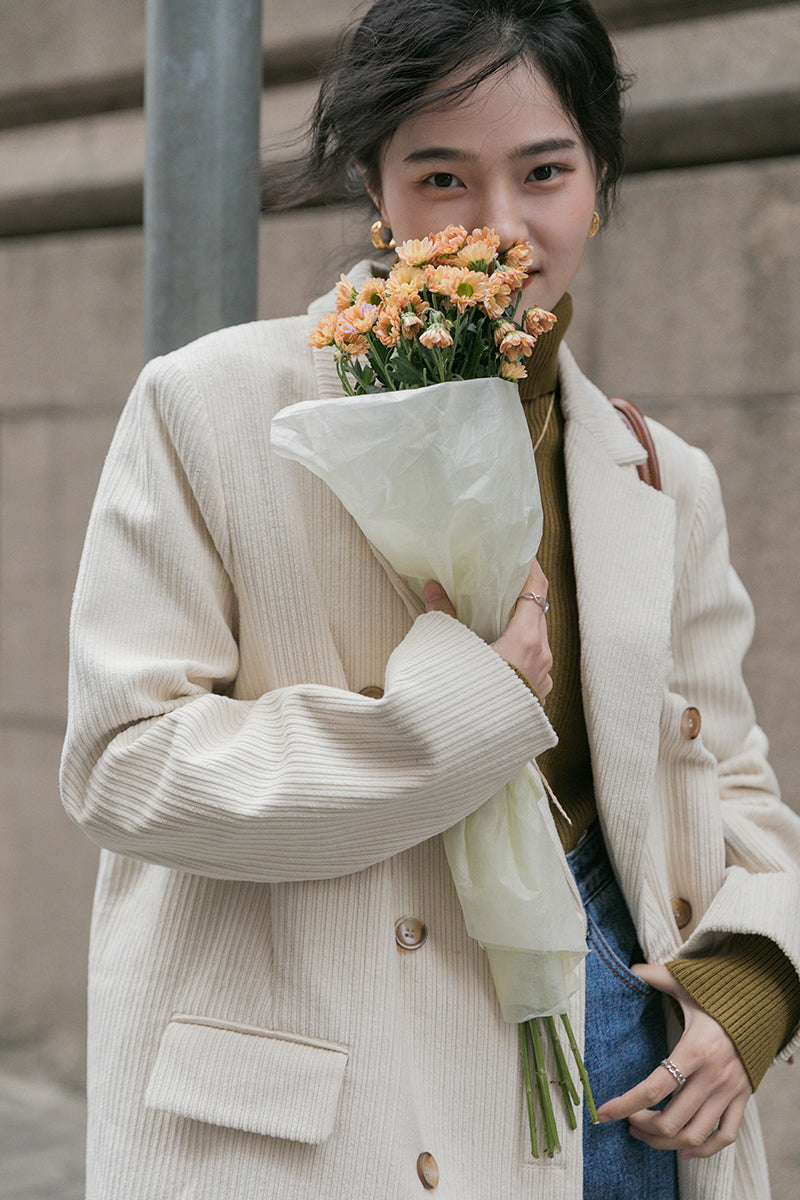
<point x="258" y="1080"/>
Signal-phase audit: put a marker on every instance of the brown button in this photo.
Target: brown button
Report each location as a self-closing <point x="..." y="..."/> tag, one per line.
<point x="690" y="724"/>
<point x="428" y="1171"/>
<point x="373" y="691"/>
<point x="681" y="911"/>
<point x="410" y="933"/>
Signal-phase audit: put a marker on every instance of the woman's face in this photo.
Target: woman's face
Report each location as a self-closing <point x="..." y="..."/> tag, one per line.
<point x="506" y="156"/>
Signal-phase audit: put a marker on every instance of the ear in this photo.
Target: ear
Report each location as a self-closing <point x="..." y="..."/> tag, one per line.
<point x="373" y="192"/>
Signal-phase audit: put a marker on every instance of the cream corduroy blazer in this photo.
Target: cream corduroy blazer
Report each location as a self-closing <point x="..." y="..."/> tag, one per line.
<point x="256" y="1032"/>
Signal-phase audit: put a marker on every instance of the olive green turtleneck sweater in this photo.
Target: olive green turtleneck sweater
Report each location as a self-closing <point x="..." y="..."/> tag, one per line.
<point x="751" y="989"/>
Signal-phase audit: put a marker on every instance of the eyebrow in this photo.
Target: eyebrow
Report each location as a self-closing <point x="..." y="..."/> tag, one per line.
<point x="449" y="154"/>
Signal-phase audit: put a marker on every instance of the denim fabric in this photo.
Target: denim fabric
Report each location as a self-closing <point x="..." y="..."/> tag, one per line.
<point x="625" y="1036"/>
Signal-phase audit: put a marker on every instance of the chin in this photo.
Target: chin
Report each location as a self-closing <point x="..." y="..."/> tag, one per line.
<point x="535" y="295"/>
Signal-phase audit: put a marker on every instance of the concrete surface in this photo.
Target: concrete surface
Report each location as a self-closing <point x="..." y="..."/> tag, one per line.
<point x="42" y="1125"/>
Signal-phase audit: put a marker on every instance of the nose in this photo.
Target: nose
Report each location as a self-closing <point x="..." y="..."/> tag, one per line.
<point x="503" y="212"/>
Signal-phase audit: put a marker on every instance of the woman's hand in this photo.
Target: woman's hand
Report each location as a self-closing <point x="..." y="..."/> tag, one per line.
<point x="523" y="643"/>
<point x="703" y="1116"/>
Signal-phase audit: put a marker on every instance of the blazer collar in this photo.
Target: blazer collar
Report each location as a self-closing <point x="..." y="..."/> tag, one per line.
<point x="623" y="534"/>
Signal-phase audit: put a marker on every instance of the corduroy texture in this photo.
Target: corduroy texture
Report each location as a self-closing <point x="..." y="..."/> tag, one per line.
<point x="751" y="989"/>
<point x="265" y="825"/>
<point x="248" y="1079"/>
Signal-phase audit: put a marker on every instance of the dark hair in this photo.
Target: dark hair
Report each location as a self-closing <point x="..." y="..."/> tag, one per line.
<point x="387" y="67"/>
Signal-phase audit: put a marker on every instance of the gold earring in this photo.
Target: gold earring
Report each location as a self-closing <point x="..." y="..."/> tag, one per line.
<point x="378" y="241"/>
<point x="595" y="225"/>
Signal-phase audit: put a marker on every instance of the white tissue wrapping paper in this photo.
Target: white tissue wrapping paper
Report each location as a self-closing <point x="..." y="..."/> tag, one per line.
<point x="519" y="898"/>
<point x="442" y="481"/>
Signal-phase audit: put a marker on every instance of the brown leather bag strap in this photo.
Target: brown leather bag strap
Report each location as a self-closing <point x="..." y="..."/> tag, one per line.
<point x="648" y="471"/>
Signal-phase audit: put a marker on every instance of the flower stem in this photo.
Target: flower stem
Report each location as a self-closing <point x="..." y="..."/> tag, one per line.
<point x="526" y="1068"/>
<point x="587" y="1090"/>
<point x="568" y="1089"/>
<point x="552" y="1144"/>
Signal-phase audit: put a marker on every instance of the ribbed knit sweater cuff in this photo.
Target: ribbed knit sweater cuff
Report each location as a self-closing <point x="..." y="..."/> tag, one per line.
<point x="752" y="990"/>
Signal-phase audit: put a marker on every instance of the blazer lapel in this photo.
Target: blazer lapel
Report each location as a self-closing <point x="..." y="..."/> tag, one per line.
<point x="623" y="544"/>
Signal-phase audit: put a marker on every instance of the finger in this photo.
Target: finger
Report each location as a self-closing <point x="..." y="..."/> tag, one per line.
<point x="437" y="599"/>
<point x="544" y="688"/>
<point x="651" y="1091"/>
<point x="688" y="1119"/>
<point x="545" y="684"/>
<point x="660" y="978"/>
<point x="724" y="1136"/>
<point x="537" y="581"/>
<point x="715" y="1124"/>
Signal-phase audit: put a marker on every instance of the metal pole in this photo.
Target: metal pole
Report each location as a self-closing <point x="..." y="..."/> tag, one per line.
<point x="202" y="100"/>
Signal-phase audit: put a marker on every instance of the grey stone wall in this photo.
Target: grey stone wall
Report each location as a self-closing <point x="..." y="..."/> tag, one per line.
<point x="688" y="305"/>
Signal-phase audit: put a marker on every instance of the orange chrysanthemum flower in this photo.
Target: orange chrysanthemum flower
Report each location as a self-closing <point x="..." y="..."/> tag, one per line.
<point x="498" y="295"/>
<point x="463" y="288"/>
<point x="416" y="253"/>
<point x="538" y="321"/>
<point x="436" y="336"/>
<point x="513" y="370"/>
<point x="323" y="334"/>
<point x="520" y="255"/>
<point x="354" y="345"/>
<point x="513" y="276"/>
<point x="450" y="240"/>
<point x="351" y="327"/>
<point x="407" y="296"/>
<point x="344" y="294"/>
<point x="410" y="323"/>
<point x="501" y="328"/>
<point x="476" y="255"/>
<point x="359" y="318"/>
<point x="387" y="326"/>
<point x="517" y="344"/>
<point x="485" y="235"/>
<point x="371" y="292"/>
<point x="404" y="277"/>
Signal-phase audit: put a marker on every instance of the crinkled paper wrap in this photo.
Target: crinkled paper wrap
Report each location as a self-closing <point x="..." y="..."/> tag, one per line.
<point x="519" y="898"/>
<point x="443" y="483"/>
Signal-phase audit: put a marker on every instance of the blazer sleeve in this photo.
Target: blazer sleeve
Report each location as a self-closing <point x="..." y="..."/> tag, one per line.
<point x="760" y="888"/>
<point x="303" y="782"/>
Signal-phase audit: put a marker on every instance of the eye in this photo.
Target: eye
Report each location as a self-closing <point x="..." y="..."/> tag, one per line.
<point x="544" y="173"/>
<point x="444" y="179"/>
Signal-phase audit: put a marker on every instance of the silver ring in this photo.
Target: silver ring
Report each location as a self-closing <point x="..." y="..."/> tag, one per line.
<point x="540" y="600"/>
<point x="677" y="1075"/>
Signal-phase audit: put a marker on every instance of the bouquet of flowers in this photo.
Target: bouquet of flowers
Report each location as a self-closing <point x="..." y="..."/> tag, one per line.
<point x="445" y="312"/>
<point x="426" y="359"/>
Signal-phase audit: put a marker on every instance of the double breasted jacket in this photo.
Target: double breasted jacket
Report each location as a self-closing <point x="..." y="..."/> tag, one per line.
<point x="267" y="740"/>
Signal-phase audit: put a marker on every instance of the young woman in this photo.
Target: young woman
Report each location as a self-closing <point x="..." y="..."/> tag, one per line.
<point x="267" y="742"/>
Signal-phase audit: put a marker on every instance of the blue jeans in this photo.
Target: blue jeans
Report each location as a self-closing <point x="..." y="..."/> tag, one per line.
<point x="625" y="1036"/>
